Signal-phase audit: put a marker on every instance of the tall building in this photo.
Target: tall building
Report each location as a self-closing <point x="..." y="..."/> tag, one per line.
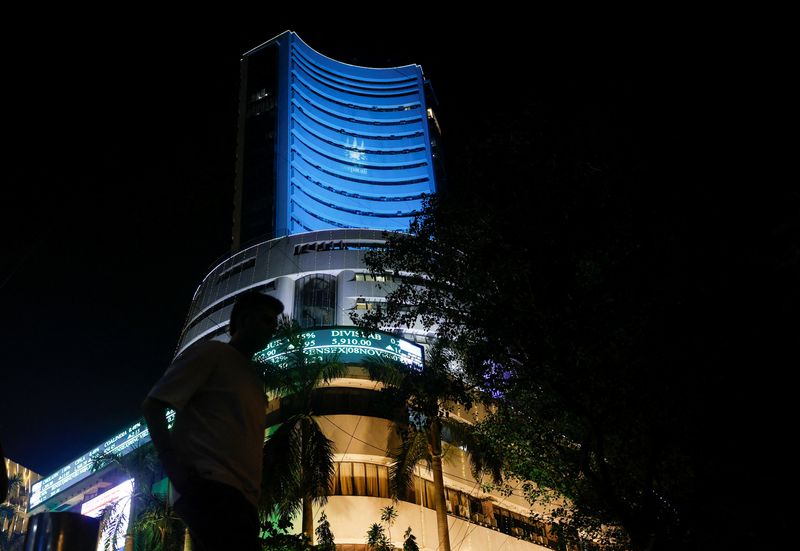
<point x="323" y="144"/>
<point x="329" y="156"/>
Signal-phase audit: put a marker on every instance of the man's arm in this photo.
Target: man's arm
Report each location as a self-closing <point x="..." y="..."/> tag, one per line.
<point x="155" y="413"/>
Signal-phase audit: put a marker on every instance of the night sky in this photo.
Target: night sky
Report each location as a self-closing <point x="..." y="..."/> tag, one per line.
<point x="119" y="166"/>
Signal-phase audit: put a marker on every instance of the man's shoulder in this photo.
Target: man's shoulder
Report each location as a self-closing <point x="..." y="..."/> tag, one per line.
<point x="203" y="351"/>
<point x="208" y="346"/>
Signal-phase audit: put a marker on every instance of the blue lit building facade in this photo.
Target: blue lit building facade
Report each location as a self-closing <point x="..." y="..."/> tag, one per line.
<point x="324" y="145"/>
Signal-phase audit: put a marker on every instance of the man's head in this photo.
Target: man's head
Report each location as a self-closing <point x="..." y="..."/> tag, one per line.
<point x="254" y="318"/>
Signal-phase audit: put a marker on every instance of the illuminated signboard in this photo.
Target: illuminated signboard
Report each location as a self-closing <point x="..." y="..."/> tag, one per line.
<point x="120" y="496"/>
<point x="350" y="344"/>
<point x="121" y="444"/>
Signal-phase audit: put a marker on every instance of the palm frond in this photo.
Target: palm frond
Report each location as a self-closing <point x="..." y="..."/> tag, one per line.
<point x="298" y="457"/>
<point x="318" y="463"/>
<point x="158" y="525"/>
<point x="412" y="450"/>
<point x="280" y="486"/>
<point x="14" y="481"/>
<point x="113" y="524"/>
<point x="102" y="460"/>
<point x="141" y="463"/>
<point x="483" y="457"/>
<point x="387" y="371"/>
<point x="7" y="511"/>
<point x="329" y="368"/>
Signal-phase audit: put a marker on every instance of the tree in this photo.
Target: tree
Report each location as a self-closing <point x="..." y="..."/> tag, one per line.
<point x="379" y="535"/>
<point x="153" y="525"/>
<point x="10" y="540"/>
<point x="325" y="539"/>
<point x="298" y="456"/>
<point x="377" y="540"/>
<point x="428" y="395"/>
<point x="409" y="541"/>
<point x="562" y="330"/>
<point x="559" y="286"/>
<point x="604" y="304"/>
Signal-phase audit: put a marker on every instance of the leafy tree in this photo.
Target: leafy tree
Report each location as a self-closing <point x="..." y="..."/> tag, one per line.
<point x="298" y="456"/>
<point x="377" y="540"/>
<point x="409" y="541"/>
<point x="429" y="394"/>
<point x="379" y="536"/>
<point x="325" y="539"/>
<point x="275" y="538"/>
<point x="388" y="517"/>
<point x="559" y="280"/>
<point x="153" y="525"/>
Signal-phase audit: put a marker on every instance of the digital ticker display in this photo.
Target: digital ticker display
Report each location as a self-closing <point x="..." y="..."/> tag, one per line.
<point x="121" y="444"/>
<point x="349" y="344"/>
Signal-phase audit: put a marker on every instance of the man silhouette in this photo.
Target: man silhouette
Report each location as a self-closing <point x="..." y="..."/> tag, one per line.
<point x="213" y="455"/>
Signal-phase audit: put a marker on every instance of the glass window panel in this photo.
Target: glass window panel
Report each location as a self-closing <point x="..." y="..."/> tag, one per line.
<point x="346" y="478"/>
<point x="430" y="494"/>
<point x="372" y="480"/>
<point x="360" y="479"/>
<point x="383" y="481"/>
<point x="419" y="494"/>
<point x="315" y="300"/>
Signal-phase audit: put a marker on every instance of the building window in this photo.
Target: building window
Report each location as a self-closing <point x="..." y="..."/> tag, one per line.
<point x="382" y="278"/>
<point x="368" y="479"/>
<point x="376" y="304"/>
<point x="364" y="304"/>
<point x="315" y="300"/>
<point x="360" y="479"/>
<point x="235" y="270"/>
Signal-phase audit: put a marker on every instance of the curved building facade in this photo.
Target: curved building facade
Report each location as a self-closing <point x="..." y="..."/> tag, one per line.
<point x="330" y="156"/>
<point x="320" y="277"/>
<point x="323" y="144"/>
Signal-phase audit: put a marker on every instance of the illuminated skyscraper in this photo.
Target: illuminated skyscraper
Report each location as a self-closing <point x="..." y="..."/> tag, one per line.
<point x="323" y="144"/>
<point x="329" y="157"/>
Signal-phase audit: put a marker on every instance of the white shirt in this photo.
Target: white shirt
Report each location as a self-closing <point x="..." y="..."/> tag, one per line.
<point x="220" y="415"/>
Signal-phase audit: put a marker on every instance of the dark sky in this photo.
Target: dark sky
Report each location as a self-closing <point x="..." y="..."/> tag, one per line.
<point x="118" y="179"/>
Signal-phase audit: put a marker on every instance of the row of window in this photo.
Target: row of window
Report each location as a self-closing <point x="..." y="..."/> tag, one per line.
<point x="367" y="479"/>
<point x="304" y="248"/>
<point x="378" y="277"/>
<point x="372" y="304"/>
<point x="237" y="269"/>
<point x="314" y="295"/>
<point x="270" y="286"/>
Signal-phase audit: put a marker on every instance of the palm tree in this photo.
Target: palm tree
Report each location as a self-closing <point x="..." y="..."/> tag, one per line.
<point x="156" y="522"/>
<point x="429" y="394"/>
<point x="298" y="457"/>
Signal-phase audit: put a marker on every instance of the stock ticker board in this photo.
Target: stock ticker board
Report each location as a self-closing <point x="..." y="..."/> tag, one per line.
<point x="348" y="345"/>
